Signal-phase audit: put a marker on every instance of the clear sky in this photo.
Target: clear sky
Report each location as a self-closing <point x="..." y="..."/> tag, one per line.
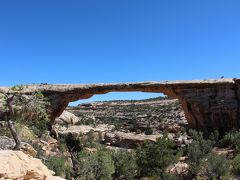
<point x="97" y="41"/>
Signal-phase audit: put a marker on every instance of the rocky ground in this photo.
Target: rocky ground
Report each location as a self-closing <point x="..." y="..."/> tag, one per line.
<point x="114" y="126"/>
<point x="157" y="114"/>
<point x="18" y="165"/>
<point x="126" y="123"/>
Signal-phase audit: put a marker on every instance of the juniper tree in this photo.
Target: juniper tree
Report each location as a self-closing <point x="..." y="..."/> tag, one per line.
<point x="17" y="106"/>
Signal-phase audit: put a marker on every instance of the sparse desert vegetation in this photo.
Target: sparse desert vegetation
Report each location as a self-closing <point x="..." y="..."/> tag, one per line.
<point x="119" y="90"/>
<point x="126" y="140"/>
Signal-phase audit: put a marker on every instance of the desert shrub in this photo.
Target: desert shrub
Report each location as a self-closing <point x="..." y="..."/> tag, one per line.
<point x="125" y="165"/>
<point x="92" y="140"/>
<point x="4" y="131"/>
<point x="154" y="157"/>
<point x="22" y="109"/>
<point x="62" y="144"/>
<point x="71" y="142"/>
<point x="117" y="125"/>
<point x="87" y="121"/>
<point x="97" y="165"/>
<point x="107" y="165"/>
<point x="89" y="140"/>
<point x="59" y="166"/>
<point x="39" y="127"/>
<point x="215" y="137"/>
<point x="24" y="132"/>
<point x="112" y="121"/>
<point x="196" y="151"/>
<point x="39" y="150"/>
<point x="216" y="166"/>
<point x="138" y="131"/>
<point x="236" y="165"/>
<point x="149" y="130"/>
<point x="231" y="139"/>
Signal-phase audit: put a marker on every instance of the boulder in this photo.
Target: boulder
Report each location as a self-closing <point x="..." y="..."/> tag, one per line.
<point x="128" y="140"/>
<point x="17" y="165"/>
<point x="83" y="130"/>
<point x="8" y="144"/>
<point x="223" y="151"/>
<point x="67" y="118"/>
<point x="179" y="168"/>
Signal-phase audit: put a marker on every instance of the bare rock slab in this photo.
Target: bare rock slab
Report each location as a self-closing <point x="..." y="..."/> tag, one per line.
<point x="17" y="165"/>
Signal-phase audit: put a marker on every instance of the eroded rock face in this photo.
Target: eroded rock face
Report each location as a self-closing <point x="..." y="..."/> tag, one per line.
<point x="17" y="165"/>
<point x="208" y="104"/>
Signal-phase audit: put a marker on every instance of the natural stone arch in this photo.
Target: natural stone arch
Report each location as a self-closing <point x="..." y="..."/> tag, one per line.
<point x="208" y="104"/>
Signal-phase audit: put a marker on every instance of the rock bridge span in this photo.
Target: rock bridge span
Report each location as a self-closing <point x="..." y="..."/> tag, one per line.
<point x="208" y="104"/>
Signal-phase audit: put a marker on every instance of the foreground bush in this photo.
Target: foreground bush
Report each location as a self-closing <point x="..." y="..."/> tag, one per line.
<point x="217" y="166"/>
<point x="232" y="139"/>
<point x="236" y="165"/>
<point x="197" y="151"/>
<point x="94" y="165"/>
<point x="59" y="166"/>
<point x="23" y="109"/>
<point x="153" y="158"/>
<point x="125" y="165"/>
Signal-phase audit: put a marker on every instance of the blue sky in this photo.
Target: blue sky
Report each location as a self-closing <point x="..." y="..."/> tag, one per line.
<point x="76" y="41"/>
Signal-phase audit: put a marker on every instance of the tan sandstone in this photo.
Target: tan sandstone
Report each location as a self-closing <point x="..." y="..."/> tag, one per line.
<point x="16" y="165"/>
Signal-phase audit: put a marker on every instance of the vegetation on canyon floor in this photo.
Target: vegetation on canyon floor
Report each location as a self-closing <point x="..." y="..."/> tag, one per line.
<point x="87" y="158"/>
<point x="152" y="159"/>
<point x="93" y="160"/>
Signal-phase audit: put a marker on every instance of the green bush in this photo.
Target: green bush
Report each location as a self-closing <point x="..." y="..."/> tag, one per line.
<point x="39" y="150"/>
<point x="196" y="151"/>
<point x="149" y="130"/>
<point x="125" y="165"/>
<point x="91" y="166"/>
<point x="154" y="157"/>
<point x="88" y="121"/>
<point x="39" y="127"/>
<point x="236" y="165"/>
<point x="59" y="166"/>
<point x="217" y="166"/>
<point x="231" y="139"/>
<point x="72" y="143"/>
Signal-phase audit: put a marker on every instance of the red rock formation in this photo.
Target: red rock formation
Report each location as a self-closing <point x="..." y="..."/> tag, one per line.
<point x="208" y="104"/>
